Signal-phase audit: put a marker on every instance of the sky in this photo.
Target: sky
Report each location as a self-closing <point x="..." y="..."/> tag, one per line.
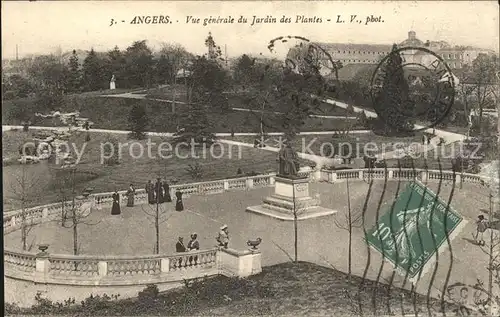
<point x="42" y="26"/>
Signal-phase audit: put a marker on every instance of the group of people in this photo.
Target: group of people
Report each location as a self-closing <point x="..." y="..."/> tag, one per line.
<point x="158" y="193"/>
<point x="193" y="244"/>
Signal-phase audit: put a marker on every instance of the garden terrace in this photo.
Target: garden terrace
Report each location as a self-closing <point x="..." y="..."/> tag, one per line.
<point x="208" y="205"/>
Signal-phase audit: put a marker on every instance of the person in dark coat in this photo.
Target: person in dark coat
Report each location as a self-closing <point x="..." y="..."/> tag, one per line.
<point x="166" y="190"/>
<point x="159" y="191"/>
<point x="179" y="206"/>
<point x="130" y="196"/>
<point x="180" y="247"/>
<point x="115" y="209"/>
<point x="151" y="192"/>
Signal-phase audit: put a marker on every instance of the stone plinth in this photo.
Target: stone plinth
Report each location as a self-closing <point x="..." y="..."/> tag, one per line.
<point x="291" y="195"/>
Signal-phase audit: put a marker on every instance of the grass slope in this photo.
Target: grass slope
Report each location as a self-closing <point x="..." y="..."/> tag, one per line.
<point x="113" y="112"/>
<point x="132" y="169"/>
<point x="301" y="289"/>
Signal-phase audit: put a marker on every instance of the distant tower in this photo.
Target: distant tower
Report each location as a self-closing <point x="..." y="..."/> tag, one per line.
<point x="17" y="52"/>
<point x="412" y="35"/>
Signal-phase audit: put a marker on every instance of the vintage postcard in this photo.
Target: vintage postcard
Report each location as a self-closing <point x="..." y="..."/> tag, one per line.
<point x="217" y="158"/>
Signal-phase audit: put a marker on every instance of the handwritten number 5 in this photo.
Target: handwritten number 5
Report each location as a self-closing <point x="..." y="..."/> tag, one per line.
<point x="112" y="22"/>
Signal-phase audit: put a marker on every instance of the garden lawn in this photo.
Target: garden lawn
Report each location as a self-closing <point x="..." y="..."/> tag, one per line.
<point x="312" y="144"/>
<point x="113" y="113"/>
<point x="91" y="173"/>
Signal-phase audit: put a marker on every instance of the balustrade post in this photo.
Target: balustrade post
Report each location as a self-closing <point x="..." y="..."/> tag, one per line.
<point x="360" y="174"/>
<point x="271" y="180"/>
<point x="458" y="179"/>
<point x="332" y="177"/>
<point x="249" y="183"/>
<point x="317" y="175"/>
<point x="226" y="185"/>
<point x="102" y="268"/>
<point x="45" y="213"/>
<point x="42" y="263"/>
<point x="391" y="174"/>
<point x="13" y="221"/>
<point x="424" y="176"/>
<point x="165" y="265"/>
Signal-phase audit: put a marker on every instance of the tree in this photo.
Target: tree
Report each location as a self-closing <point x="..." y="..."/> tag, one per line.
<point x="392" y="101"/>
<point x="159" y="216"/>
<point x="177" y="57"/>
<point x="139" y="65"/>
<point x="74" y="81"/>
<point x="209" y="81"/>
<point x="94" y="78"/>
<point x="244" y="70"/>
<point x="195" y="125"/>
<point x="116" y="65"/>
<point x="25" y="189"/>
<point x="351" y="221"/>
<point x="481" y="79"/>
<point x="49" y="78"/>
<point x="214" y="51"/>
<point x="15" y="86"/>
<point x="164" y="69"/>
<point x="75" y="209"/>
<point x="138" y="121"/>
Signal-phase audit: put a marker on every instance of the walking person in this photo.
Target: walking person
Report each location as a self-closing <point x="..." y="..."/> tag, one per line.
<point x="151" y="192"/>
<point x="166" y="189"/>
<point x="115" y="209"/>
<point x="159" y="191"/>
<point x="481" y="226"/>
<point x="130" y="196"/>
<point x="223" y="237"/>
<point x="193" y="245"/>
<point x="179" y="206"/>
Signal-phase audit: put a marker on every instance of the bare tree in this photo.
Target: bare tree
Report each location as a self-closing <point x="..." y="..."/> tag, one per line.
<point x="351" y="220"/>
<point x="480" y="79"/>
<point x="158" y="213"/>
<point x="75" y="209"/>
<point x="25" y="190"/>
<point x="177" y="56"/>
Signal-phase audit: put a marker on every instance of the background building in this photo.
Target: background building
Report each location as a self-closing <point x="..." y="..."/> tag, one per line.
<point x="455" y="57"/>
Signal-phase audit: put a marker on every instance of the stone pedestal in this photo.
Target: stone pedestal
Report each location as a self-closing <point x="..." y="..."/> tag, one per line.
<point x="291" y="195"/>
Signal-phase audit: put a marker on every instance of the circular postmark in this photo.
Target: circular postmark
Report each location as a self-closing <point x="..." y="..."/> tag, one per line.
<point x="412" y="89"/>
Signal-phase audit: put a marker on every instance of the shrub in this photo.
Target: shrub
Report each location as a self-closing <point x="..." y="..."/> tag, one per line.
<point x="148" y="294"/>
<point x="195" y="171"/>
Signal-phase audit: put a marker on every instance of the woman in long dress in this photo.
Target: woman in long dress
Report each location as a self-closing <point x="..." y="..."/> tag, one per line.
<point x="166" y="188"/>
<point x="159" y="191"/>
<point x="179" y="206"/>
<point x="115" y="210"/>
<point x="150" y="189"/>
<point x="130" y="195"/>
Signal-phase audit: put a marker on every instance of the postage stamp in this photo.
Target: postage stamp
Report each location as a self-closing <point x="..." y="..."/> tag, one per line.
<point x="414" y="229"/>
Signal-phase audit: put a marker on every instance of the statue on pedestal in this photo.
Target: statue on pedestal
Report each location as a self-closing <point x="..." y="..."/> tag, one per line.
<point x="112" y="84"/>
<point x="288" y="161"/>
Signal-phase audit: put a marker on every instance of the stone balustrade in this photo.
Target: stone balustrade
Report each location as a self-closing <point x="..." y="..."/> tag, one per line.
<point x="138" y="270"/>
<point x="108" y="271"/>
<point x="334" y="176"/>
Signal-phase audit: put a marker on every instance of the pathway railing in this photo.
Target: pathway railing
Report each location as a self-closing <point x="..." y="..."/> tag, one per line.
<point x="87" y="270"/>
<point x="109" y="270"/>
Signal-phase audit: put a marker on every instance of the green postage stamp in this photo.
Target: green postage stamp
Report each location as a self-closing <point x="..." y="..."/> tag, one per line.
<point x="413" y="229"/>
